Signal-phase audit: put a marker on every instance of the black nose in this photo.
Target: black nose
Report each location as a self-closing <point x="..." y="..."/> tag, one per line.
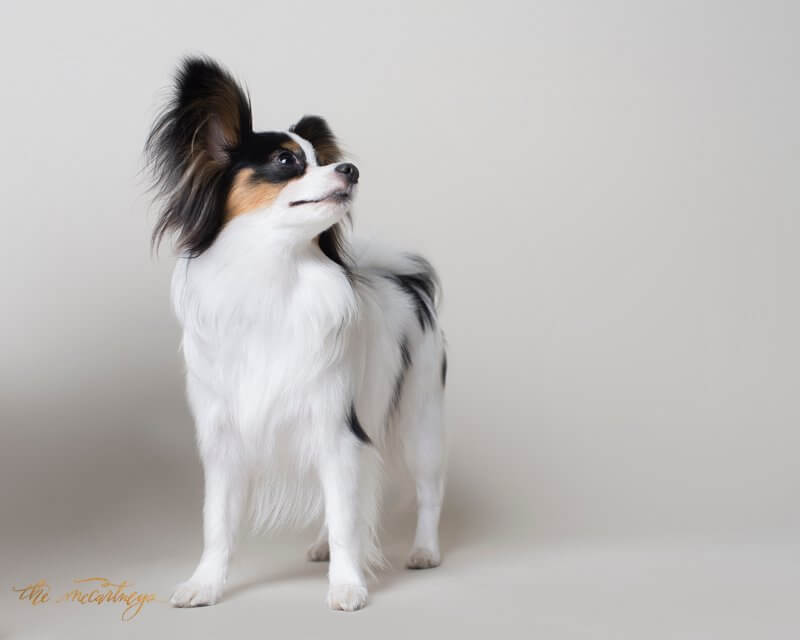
<point x="349" y="170"/>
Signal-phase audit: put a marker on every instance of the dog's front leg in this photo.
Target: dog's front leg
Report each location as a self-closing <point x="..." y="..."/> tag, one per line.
<point x="340" y="469"/>
<point x="225" y="491"/>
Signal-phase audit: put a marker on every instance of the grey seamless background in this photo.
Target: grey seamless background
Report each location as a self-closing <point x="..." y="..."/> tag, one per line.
<point x="609" y="190"/>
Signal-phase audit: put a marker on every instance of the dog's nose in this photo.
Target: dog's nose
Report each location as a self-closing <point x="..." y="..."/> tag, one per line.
<point x="349" y="170"/>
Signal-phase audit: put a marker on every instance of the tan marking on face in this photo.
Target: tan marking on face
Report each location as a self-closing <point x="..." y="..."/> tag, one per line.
<point x="292" y="146"/>
<point x="248" y="195"/>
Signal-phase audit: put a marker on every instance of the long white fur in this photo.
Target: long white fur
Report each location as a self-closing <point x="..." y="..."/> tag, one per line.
<point x="278" y="343"/>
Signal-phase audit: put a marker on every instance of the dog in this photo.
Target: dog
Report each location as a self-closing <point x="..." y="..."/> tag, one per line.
<point x="310" y="358"/>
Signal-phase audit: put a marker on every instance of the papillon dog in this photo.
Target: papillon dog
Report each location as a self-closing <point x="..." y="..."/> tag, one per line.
<point x="310" y="358"/>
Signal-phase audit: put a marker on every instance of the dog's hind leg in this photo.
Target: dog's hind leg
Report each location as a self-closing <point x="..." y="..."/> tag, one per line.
<point x="424" y="449"/>
<point x="319" y="551"/>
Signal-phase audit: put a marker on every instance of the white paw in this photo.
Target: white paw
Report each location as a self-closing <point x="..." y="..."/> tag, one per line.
<point x="422" y="559"/>
<point x="347" y="597"/>
<point x="194" y="593"/>
<point x="319" y="552"/>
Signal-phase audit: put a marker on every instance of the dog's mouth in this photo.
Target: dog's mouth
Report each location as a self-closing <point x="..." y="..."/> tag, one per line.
<point x="340" y="196"/>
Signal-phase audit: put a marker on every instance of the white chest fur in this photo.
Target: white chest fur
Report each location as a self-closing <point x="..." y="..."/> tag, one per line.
<point x="265" y="332"/>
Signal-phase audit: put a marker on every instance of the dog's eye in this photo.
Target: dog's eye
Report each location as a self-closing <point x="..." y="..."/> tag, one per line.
<point x="285" y="158"/>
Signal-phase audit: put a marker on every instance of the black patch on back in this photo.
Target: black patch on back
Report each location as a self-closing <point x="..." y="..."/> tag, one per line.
<point x="355" y="426"/>
<point x="405" y="364"/>
<point x="444" y="367"/>
<point x="420" y="286"/>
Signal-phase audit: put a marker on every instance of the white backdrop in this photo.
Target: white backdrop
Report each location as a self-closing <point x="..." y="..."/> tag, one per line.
<point x="609" y="190"/>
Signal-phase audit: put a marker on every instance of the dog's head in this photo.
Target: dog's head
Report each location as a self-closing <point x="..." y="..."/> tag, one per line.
<point x="211" y="167"/>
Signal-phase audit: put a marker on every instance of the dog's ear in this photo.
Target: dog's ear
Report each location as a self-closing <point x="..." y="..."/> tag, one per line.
<point x="189" y="149"/>
<point x="209" y="112"/>
<point x="318" y="133"/>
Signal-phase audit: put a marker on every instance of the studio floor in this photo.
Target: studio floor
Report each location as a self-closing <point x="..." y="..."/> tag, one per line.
<point x="511" y="585"/>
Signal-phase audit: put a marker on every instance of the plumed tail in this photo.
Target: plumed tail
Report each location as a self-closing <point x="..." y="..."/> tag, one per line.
<point x="412" y="274"/>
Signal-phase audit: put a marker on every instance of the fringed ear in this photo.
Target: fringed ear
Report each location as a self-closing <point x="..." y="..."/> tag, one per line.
<point x="318" y="133"/>
<point x="189" y="151"/>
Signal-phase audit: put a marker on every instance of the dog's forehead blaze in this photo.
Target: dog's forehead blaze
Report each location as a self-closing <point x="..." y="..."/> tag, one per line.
<point x="247" y="194"/>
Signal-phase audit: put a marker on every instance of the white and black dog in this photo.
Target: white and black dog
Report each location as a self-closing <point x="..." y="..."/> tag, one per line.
<point x="309" y="359"/>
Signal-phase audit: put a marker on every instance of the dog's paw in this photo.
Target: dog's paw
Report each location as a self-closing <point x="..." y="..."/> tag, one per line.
<point x="194" y="593"/>
<point x="422" y="559"/>
<point x="319" y="551"/>
<point x="347" y="597"/>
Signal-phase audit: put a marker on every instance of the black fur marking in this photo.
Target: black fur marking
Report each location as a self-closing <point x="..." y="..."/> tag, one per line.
<point x="326" y="147"/>
<point x="405" y="364"/>
<point x="355" y="426"/>
<point x="319" y="134"/>
<point x="444" y="367"/>
<point x="203" y="138"/>
<point x="421" y="287"/>
<point x="188" y="151"/>
<point x="405" y="354"/>
<point x="333" y="245"/>
<point x="262" y="152"/>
